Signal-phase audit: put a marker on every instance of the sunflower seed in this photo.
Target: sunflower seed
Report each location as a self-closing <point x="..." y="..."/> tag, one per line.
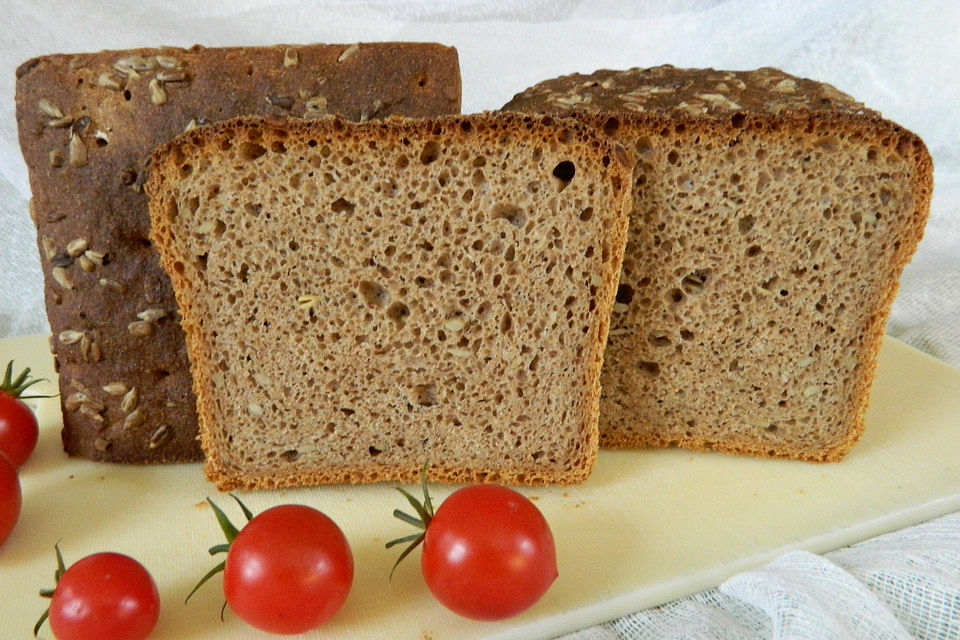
<point x="77" y="151"/>
<point x="190" y="125"/>
<point x="94" y="256"/>
<point x="317" y="103"/>
<point x="76" y="384"/>
<point x="85" y="348"/>
<point x="95" y="354"/>
<point x="206" y="227"/>
<point x="262" y="380"/>
<point x="786" y="86"/>
<point x="291" y="57"/>
<point x="460" y="353"/>
<point x="349" y="51"/>
<point x="140" y="328"/>
<point x="55" y="158"/>
<point x="158" y="95"/>
<point x="60" y="123"/>
<point x="116" y="388"/>
<point x="109" y="81"/>
<point x="308" y="301"/>
<point x="284" y="102"/>
<point x="81" y="125"/>
<point x="160" y="437"/>
<point x="152" y="315"/>
<point x="86" y="264"/>
<point x="455" y="324"/>
<point x="72" y="401"/>
<point x="134" y="419"/>
<point x="112" y="284"/>
<point x="130" y="400"/>
<point x="101" y="443"/>
<point x="62" y="276"/>
<point x="168" y="62"/>
<point x="136" y="63"/>
<point x="255" y="409"/>
<point x="76" y="247"/>
<point x="101" y="138"/>
<point x="176" y="75"/>
<point x="48" y="249"/>
<point x="69" y="336"/>
<point x="619" y="307"/>
<point x="49" y="109"/>
<point x="32" y="210"/>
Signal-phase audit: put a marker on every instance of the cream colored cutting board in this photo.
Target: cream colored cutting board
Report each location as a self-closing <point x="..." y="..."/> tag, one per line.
<point x="649" y="526"/>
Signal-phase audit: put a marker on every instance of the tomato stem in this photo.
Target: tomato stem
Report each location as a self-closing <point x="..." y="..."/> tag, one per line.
<point x="61" y="569"/>
<point x="423" y="509"/>
<point x="16" y="387"/>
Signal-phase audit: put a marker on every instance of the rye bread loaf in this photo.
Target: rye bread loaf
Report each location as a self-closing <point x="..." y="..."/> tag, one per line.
<point x="772" y="217"/>
<point x="361" y="298"/>
<point x="87" y="123"/>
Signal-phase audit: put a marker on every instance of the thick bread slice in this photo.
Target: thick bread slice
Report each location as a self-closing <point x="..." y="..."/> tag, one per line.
<point x="361" y="298"/>
<point x="87" y="123"/>
<point x="772" y="217"/>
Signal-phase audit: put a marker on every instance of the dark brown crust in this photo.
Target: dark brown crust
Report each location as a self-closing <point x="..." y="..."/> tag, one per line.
<point x="809" y="106"/>
<point x="102" y="202"/>
<point x="164" y="173"/>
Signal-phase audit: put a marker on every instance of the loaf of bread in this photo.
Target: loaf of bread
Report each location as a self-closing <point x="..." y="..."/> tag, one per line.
<point x="361" y="298"/>
<point x="87" y="123"/>
<point x="772" y="217"/>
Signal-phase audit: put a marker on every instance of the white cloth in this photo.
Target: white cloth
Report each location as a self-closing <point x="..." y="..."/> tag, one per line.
<point x="899" y="57"/>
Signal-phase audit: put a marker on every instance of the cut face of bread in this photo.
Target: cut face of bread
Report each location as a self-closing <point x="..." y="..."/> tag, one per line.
<point x="360" y="299"/>
<point x="772" y="217"/>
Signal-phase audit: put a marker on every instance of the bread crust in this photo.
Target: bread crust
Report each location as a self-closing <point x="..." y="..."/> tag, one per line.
<point x="165" y="163"/>
<point x="86" y="124"/>
<point x="630" y="104"/>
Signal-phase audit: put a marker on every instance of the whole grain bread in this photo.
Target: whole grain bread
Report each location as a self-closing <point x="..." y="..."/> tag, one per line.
<point x="361" y="298"/>
<point x="87" y="123"/>
<point x="772" y="218"/>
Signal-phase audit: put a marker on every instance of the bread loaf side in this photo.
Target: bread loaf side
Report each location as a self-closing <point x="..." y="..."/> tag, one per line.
<point x="772" y="217"/>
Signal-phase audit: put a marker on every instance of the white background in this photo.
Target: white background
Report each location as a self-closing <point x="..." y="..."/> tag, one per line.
<point x="902" y="58"/>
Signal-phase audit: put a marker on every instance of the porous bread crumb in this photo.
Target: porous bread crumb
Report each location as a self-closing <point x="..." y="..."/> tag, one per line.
<point x="772" y="217"/>
<point x="459" y="271"/>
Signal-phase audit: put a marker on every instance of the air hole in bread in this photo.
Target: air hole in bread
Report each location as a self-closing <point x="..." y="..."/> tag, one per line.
<point x="290" y="455"/>
<point x="586" y="214"/>
<point x="753" y="251"/>
<point x="564" y="172"/>
<point x="278" y="147"/>
<point x="694" y="283"/>
<point x="506" y="323"/>
<point x="611" y="126"/>
<point x="342" y="205"/>
<point x="511" y="213"/>
<point x="431" y="151"/>
<point x="675" y="295"/>
<point x="649" y="368"/>
<point x="686" y="334"/>
<point x="375" y="295"/>
<point x="374" y="452"/>
<point x="737" y="120"/>
<point x="425" y="395"/>
<point x="625" y="294"/>
<point x="398" y="313"/>
<point x="673" y="157"/>
<point x="251" y="150"/>
<point x="658" y="341"/>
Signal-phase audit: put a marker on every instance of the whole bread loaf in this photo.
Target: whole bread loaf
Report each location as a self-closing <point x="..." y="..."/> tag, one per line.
<point x="772" y="217"/>
<point x="361" y="298"/>
<point x="87" y="123"/>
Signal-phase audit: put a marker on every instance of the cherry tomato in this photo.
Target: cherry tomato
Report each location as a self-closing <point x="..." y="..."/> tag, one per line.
<point x="10" y="498"/>
<point x="18" y="425"/>
<point x="488" y="553"/>
<point x="288" y="570"/>
<point x="105" y="596"/>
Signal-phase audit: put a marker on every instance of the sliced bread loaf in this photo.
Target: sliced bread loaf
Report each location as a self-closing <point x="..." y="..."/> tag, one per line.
<point x="87" y="123"/>
<point x="772" y="217"/>
<point x="361" y="298"/>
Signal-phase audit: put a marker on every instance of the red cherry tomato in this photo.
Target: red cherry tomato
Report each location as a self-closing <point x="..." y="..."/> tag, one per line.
<point x="488" y="553"/>
<point x="105" y="596"/>
<point x="288" y="570"/>
<point x="18" y="429"/>
<point x="10" y="498"/>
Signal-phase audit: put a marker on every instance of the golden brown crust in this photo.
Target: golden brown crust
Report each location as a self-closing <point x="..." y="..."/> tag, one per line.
<point x="86" y="124"/>
<point x="166" y="162"/>
<point x="669" y="104"/>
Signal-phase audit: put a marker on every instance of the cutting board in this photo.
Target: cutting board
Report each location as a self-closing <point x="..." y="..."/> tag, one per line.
<point x="649" y="526"/>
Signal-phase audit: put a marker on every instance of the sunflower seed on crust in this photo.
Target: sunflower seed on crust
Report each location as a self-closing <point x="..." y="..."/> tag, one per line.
<point x="158" y="94"/>
<point x="175" y="75"/>
<point x="291" y="57"/>
<point x="60" y="123"/>
<point x="86" y="264"/>
<point x="101" y="443"/>
<point x="116" y="388"/>
<point x="152" y="315"/>
<point x="109" y="81"/>
<point x="160" y="437"/>
<point x="112" y="284"/>
<point x="48" y="108"/>
<point x="90" y="412"/>
<point x="77" y="151"/>
<point x="62" y="277"/>
<point x="130" y="400"/>
<point x="55" y="159"/>
<point x="349" y="51"/>
<point x="140" y="328"/>
<point x="134" y="419"/>
<point x="168" y="62"/>
<point x="69" y="336"/>
<point x="76" y="247"/>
